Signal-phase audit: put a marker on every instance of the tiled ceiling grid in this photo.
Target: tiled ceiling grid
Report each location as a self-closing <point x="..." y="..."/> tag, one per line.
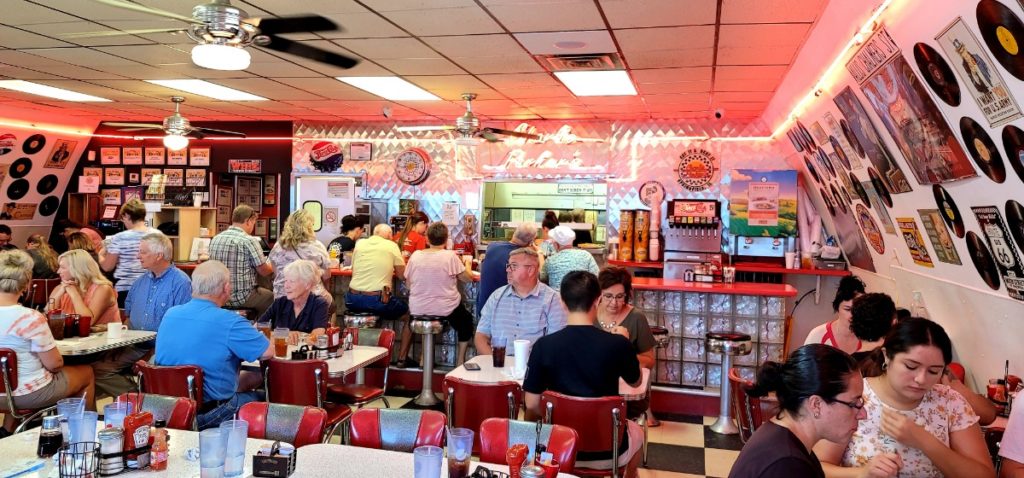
<point x="686" y="57"/>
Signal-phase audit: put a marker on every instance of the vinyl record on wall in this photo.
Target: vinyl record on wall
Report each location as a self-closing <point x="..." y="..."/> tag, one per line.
<point x="812" y="170"/>
<point x="49" y="206"/>
<point x="839" y="199"/>
<point x="18" y="189"/>
<point x="1015" y="221"/>
<point x="797" y="145"/>
<point x="1003" y="33"/>
<point x="859" y="189"/>
<point x="20" y="168"/>
<point x="34" y="144"/>
<point x="846" y="195"/>
<point x="840" y="152"/>
<point x="828" y="201"/>
<point x="937" y="74"/>
<point x="826" y="162"/>
<point x="808" y="139"/>
<point x="883" y="192"/>
<point x="47" y="184"/>
<point x="950" y="213"/>
<point x="982" y="259"/>
<point x="1013" y="144"/>
<point x="851" y="138"/>
<point x="983" y="150"/>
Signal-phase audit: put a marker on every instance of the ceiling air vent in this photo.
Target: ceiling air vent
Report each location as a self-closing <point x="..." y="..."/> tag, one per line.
<point x="594" y="61"/>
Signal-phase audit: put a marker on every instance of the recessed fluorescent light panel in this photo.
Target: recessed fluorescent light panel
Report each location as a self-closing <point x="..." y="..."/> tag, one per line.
<point x="49" y="91"/>
<point x="597" y="83"/>
<point x="389" y="87"/>
<point x="207" y="89"/>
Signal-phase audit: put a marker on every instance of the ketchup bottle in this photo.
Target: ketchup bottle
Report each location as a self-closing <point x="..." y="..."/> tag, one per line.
<point x="136" y="435"/>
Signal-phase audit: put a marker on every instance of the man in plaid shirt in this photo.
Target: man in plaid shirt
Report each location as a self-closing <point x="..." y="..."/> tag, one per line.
<point x="241" y="253"/>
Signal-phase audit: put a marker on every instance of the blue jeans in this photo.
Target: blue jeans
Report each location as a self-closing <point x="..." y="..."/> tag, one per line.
<point x="227" y="410"/>
<point x="393" y="309"/>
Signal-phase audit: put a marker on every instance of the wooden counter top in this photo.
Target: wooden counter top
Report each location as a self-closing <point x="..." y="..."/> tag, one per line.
<point x="736" y="288"/>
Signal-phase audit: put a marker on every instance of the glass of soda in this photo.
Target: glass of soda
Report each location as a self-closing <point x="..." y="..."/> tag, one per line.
<point x="498" y="351"/>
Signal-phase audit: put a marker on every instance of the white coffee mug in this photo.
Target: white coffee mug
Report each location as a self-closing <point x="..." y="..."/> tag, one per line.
<point x="116" y="331"/>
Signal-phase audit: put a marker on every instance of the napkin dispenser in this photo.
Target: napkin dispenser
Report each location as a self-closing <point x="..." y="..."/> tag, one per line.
<point x="304" y="353"/>
<point x="274" y="461"/>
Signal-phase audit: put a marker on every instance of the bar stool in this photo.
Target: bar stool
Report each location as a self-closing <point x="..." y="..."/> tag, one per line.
<point x="728" y="344"/>
<point x="660" y="341"/>
<point x="427" y="326"/>
<point x="360" y="320"/>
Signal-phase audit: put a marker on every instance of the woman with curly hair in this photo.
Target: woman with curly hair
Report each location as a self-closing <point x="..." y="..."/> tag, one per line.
<point x="298" y="241"/>
<point x="43" y="256"/>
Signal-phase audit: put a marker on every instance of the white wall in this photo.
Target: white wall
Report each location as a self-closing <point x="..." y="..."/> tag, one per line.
<point x="986" y="326"/>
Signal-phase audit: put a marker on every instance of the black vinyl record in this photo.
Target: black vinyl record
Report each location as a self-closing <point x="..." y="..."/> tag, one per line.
<point x="982" y="259"/>
<point x="49" y="206"/>
<point x="839" y="199"/>
<point x="1015" y="221"/>
<point x="18" y="189"/>
<point x="883" y="192"/>
<point x="983" y="150"/>
<point x="1003" y="32"/>
<point x="828" y="201"/>
<point x="47" y="184"/>
<point x="937" y="74"/>
<point x="34" y="144"/>
<point x="846" y="195"/>
<point x="947" y="208"/>
<point x="810" y="169"/>
<point x="811" y="143"/>
<point x="1013" y="144"/>
<point x="20" y="168"/>
<point x="850" y="138"/>
<point x="826" y="162"/>
<point x="859" y="189"/>
<point x="840" y="153"/>
<point x="796" y="144"/>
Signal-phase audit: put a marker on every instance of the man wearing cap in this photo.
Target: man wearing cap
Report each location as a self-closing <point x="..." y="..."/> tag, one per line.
<point x="566" y="258"/>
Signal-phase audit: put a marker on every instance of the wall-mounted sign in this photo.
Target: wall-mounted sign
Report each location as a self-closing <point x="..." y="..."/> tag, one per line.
<point x="131" y="156"/>
<point x="696" y="169"/>
<point x="155" y="156"/>
<point x="175" y="176"/>
<point x="918" y="251"/>
<point x="763" y="203"/>
<point x="195" y="177"/>
<point x="177" y="158"/>
<point x="560" y="151"/>
<point x="360" y="151"/>
<point x="60" y="154"/>
<point x="326" y="156"/>
<point x="575" y="188"/>
<point x="110" y="155"/>
<point x="652" y="193"/>
<point x="1005" y="254"/>
<point x="113" y="176"/>
<point x="88" y="184"/>
<point x="245" y="166"/>
<point x="199" y="156"/>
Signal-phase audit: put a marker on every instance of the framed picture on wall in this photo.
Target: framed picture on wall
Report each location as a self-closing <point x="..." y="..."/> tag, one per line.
<point x="147" y="175"/>
<point x="261" y="228"/>
<point x="111" y="197"/>
<point x="269" y="190"/>
<point x="97" y="172"/>
<point x="113" y="176"/>
<point x="177" y="158"/>
<point x="110" y="155"/>
<point x="195" y="177"/>
<point x="133" y="178"/>
<point x="155" y="156"/>
<point x="175" y="176"/>
<point x="199" y="156"/>
<point x="360" y="151"/>
<point x="131" y="156"/>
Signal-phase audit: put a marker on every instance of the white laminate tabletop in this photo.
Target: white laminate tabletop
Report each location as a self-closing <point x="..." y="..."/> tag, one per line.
<point x="100" y="342"/>
<point x="349" y="361"/>
<point x="316" y="461"/>
<point x="21" y="448"/>
<point x="489" y="374"/>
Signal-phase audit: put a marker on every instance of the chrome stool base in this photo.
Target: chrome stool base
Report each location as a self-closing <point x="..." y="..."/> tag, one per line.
<point x="727" y="344"/>
<point x="427" y="326"/>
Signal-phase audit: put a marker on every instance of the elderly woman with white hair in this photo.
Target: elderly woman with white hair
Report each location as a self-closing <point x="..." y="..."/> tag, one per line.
<point x="299" y="309"/>
<point x="84" y="290"/>
<point x="565" y="259"/>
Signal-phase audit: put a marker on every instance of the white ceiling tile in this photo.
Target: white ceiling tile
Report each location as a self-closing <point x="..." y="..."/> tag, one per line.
<point x="537" y="92"/>
<point x="456" y="84"/>
<point x="670" y="75"/>
<point x="97" y="11"/>
<point x="154" y="55"/>
<point x="680" y="87"/>
<point x="771" y="11"/>
<point x="12" y="37"/>
<point x="582" y="42"/>
<point x="768" y="35"/>
<point x="750" y="72"/>
<point x="672" y="58"/>
<point x="362" y="25"/>
<point x="398" y="5"/>
<point x="281" y="69"/>
<point x="20" y="12"/>
<point x="445" y="21"/>
<point x="754" y="84"/>
<point x="269" y="89"/>
<point x="328" y="88"/>
<point x="524" y="80"/>
<point x="474" y="46"/>
<point x="364" y="68"/>
<point x="24" y="73"/>
<point x="60" y="30"/>
<point x="422" y="66"/>
<point x="511" y="62"/>
<point x="388" y="48"/>
<point x="84" y="57"/>
<point x="757" y="55"/>
<point x="667" y="47"/>
<point x="291" y="7"/>
<point x="567" y="15"/>
<point x="682" y="98"/>
<point x="659" y="13"/>
<point x="737" y="96"/>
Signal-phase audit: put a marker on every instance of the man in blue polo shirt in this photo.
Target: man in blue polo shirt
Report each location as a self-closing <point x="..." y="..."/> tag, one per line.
<point x="218" y="341"/>
<point x="492" y="270"/>
<point x="162" y="286"/>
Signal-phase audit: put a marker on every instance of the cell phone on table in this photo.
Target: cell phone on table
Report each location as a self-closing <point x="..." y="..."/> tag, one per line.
<point x="472" y="366"/>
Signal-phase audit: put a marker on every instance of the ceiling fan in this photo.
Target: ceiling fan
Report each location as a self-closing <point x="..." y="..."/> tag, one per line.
<point x="468" y="127"/>
<point x="176" y="128"/>
<point x="223" y="31"/>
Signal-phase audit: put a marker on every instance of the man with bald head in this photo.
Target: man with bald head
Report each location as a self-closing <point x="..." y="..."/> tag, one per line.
<point x="375" y="262"/>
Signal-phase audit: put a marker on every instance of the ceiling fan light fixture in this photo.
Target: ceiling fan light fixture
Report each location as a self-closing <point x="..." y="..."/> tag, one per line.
<point x="216" y="56"/>
<point x="175" y="142"/>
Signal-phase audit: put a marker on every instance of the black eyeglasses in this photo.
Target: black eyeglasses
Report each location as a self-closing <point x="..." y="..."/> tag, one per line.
<point x="857" y="405"/>
<point x="482" y="472"/>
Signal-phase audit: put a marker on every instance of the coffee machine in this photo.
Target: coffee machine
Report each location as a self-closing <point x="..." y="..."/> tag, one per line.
<point x="693" y="237"/>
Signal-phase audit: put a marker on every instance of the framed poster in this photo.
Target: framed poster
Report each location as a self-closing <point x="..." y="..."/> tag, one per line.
<point x="175" y="176"/>
<point x="89" y="184"/>
<point x="224" y="214"/>
<point x="131" y="156"/>
<point x="195" y="177"/>
<point x="113" y="176"/>
<point x="1005" y="254"/>
<point x="155" y="156"/>
<point x="111" y="155"/>
<point x="360" y="151"/>
<point x="131" y="192"/>
<point x="918" y="251"/>
<point x="976" y="70"/>
<point x="97" y="172"/>
<point x="763" y="203"/>
<point x="876" y="203"/>
<point x="261" y="228"/>
<point x="18" y="211"/>
<point x="269" y="190"/>
<point x="111" y="197"/>
<point x="249" y="190"/>
<point x="60" y="154"/>
<point x="868" y="143"/>
<point x="199" y="156"/>
<point x="225" y="195"/>
<point x="942" y="241"/>
<point x="147" y="175"/>
<point x="177" y="158"/>
<point x="134" y="178"/>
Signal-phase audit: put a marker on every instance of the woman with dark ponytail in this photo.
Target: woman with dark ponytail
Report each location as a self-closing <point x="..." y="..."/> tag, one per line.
<point x="929" y="426"/>
<point x="412" y="238"/>
<point x="819" y="393"/>
<point x="547" y="246"/>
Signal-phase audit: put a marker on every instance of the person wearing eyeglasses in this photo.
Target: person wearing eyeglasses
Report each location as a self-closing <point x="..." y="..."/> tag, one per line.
<point x="615" y="314"/>
<point x="819" y="389"/>
<point x="523" y="309"/>
<point x="928" y="425"/>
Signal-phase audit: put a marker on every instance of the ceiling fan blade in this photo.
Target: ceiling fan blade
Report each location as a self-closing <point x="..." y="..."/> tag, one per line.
<point x="285" y="45"/>
<point x="414" y="129"/>
<point x="121" y="33"/>
<point x="489" y="136"/>
<point x="508" y="132"/>
<point x="295" y="24"/>
<point x="148" y="10"/>
<point x="134" y="125"/>
<point x="195" y="133"/>
<point x="132" y="130"/>
<point x="218" y="131"/>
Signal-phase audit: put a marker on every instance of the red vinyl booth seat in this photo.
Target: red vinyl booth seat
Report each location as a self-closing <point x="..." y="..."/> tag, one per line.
<point x="178" y="412"/>
<point x="468" y="404"/>
<point x="396" y="430"/>
<point x="303" y="382"/>
<point x="592" y="418"/>
<point x="497" y="434"/>
<point x="293" y="424"/>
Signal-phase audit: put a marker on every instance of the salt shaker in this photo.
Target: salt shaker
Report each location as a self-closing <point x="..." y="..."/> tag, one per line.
<point x="111" y="442"/>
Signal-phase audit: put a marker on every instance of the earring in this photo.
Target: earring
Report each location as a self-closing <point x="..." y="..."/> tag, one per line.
<point x="885" y="365"/>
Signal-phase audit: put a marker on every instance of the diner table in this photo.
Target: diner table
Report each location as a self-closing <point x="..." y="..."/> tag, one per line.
<point x="340" y="367"/>
<point x="488" y="373"/>
<point x="366" y="462"/>
<point x="101" y="342"/>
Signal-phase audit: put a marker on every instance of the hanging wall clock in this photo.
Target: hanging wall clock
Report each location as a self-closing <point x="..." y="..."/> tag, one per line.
<point x="412" y="166"/>
<point x="696" y="169"/>
<point x="652" y="193"/>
